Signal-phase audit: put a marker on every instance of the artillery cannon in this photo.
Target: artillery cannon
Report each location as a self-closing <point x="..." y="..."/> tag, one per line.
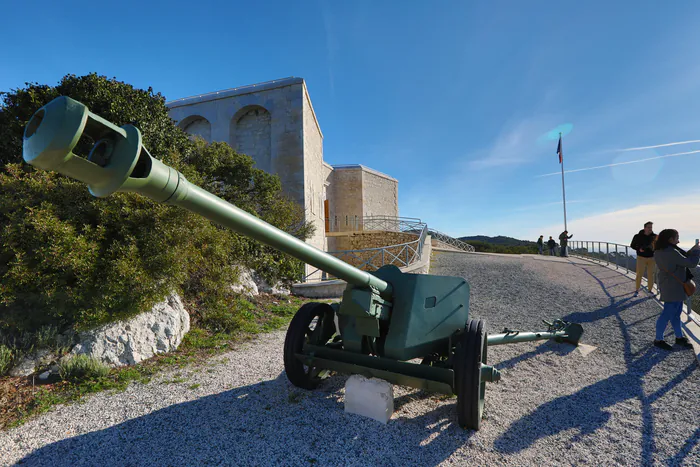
<point x="386" y="318"/>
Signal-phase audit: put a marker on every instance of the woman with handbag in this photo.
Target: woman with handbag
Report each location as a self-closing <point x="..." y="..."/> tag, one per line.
<point x="673" y="285"/>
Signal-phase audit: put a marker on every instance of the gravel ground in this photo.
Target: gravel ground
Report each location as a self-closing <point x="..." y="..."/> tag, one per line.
<point x="625" y="403"/>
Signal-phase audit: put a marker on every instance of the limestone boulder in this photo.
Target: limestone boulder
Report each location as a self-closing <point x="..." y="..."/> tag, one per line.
<point x="250" y="284"/>
<point x="28" y="364"/>
<point x="131" y="341"/>
<point x="265" y="287"/>
<point x="246" y="284"/>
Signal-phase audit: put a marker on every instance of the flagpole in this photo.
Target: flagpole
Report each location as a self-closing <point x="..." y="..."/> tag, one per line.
<point x="563" y="190"/>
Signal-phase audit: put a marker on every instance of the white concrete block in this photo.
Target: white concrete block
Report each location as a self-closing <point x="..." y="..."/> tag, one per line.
<point x="373" y="398"/>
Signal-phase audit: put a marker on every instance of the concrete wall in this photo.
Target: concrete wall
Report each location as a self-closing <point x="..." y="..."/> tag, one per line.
<point x="245" y="116"/>
<point x="276" y="125"/>
<point x="380" y="194"/>
<point x="315" y="173"/>
<point x="359" y="191"/>
<point x="335" y="288"/>
<point x="197" y="126"/>
<point x="346" y="197"/>
<point x="368" y="239"/>
<point x="251" y="135"/>
<point x="373" y="239"/>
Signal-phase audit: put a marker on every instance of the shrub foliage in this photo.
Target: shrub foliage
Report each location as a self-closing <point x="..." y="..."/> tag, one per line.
<point x="82" y="367"/>
<point x="68" y="259"/>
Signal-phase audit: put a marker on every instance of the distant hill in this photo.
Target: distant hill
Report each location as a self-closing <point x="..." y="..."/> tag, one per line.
<point x="499" y="240"/>
<point x="500" y="244"/>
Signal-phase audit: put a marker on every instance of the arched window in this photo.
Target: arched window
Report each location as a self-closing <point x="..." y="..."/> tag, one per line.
<point x="250" y="135"/>
<point x="196" y="125"/>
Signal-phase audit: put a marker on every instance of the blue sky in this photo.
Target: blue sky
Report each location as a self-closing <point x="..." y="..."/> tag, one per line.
<point x="451" y="98"/>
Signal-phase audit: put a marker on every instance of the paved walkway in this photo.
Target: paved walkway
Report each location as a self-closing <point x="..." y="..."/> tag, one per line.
<point x="615" y="401"/>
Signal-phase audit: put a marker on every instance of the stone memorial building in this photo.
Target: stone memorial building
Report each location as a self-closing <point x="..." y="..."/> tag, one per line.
<point x="275" y="124"/>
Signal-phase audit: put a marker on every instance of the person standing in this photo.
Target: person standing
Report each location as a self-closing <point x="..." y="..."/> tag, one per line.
<point x="540" y="244"/>
<point x="643" y="244"/>
<point x="552" y="245"/>
<point x="563" y="241"/>
<point x="672" y="274"/>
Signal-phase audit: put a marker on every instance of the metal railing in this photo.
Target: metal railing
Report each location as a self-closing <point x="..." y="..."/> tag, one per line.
<point x="453" y="242"/>
<point x="393" y="224"/>
<point x="350" y="223"/>
<point x="607" y="252"/>
<point x="401" y="255"/>
<point x="371" y="259"/>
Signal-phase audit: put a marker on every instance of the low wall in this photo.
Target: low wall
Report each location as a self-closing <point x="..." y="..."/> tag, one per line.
<point x="373" y="239"/>
<point x="335" y="288"/>
<point x="343" y="241"/>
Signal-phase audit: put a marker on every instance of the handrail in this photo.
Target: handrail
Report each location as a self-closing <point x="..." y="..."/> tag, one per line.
<point x="371" y="259"/>
<point x="582" y="248"/>
<point x="454" y="242"/>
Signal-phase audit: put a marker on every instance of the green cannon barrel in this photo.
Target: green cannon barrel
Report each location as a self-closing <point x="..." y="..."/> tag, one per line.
<point x="119" y="162"/>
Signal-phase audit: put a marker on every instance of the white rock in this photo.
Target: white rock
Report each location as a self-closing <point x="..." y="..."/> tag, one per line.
<point x="45" y="375"/>
<point x="246" y="283"/>
<point x="25" y="367"/>
<point x="373" y="398"/>
<point x="264" y="287"/>
<point x="27" y="364"/>
<point x="128" y="342"/>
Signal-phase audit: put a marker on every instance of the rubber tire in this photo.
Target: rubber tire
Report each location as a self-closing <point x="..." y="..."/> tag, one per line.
<point x="470" y="353"/>
<point x="294" y="342"/>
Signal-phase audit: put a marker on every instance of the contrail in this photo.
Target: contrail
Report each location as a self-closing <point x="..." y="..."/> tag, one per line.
<point x="622" y="163"/>
<point x="659" y="145"/>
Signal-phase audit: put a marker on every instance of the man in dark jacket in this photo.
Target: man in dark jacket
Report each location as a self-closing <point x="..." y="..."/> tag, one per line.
<point x="540" y="244"/>
<point x="564" y="241"/>
<point x="552" y="245"/>
<point x="643" y="244"/>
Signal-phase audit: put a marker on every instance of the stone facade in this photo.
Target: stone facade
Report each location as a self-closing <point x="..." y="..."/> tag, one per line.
<point x="358" y="191"/>
<point x="346" y="192"/>
<point x="380" y="194"/>
<point x="262" y="120"/>
<point x="369" y="239"/>
<point x="252" y="136"/>
<point x="398" y="255"/>
<point x="314" y="173"/>
<point x="275" y="124"/>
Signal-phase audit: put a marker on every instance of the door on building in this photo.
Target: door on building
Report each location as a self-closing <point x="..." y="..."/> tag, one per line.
<point x="327" y="213"/>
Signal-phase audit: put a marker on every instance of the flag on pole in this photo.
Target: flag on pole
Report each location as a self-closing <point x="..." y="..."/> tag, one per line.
<point x="560" y="152"/>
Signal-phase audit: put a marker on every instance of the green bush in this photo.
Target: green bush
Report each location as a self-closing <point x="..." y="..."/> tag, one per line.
<point x="484" y="247"/>
<point x="82" y="367"/>
<point x="5" y="359"/>
<point x="68" y="259"/>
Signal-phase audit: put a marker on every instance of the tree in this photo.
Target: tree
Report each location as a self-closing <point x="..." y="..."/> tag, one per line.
<point x="69" y="259"/>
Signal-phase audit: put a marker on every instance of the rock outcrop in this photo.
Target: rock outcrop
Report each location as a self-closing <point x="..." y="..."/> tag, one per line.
<point x="251" y="284"/>
<point x="131" y="341"/>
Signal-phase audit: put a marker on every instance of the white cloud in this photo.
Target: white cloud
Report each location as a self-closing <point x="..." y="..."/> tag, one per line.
<point x="514" y="146"/>
<point x="620" y="226"/>
<point x="544" y="205"/>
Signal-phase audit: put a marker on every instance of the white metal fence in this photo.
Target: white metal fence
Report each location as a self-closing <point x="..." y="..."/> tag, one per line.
<point x="622" y="257"/>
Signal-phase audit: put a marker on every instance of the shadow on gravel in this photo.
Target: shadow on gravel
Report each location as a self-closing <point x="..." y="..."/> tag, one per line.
<point x="564" y="413"/>
<point x="268" y="423"/>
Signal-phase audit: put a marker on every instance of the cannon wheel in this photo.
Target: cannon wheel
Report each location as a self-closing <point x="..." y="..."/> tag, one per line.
<point x="470" y="353"/>
<point x="306" y="327"/>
